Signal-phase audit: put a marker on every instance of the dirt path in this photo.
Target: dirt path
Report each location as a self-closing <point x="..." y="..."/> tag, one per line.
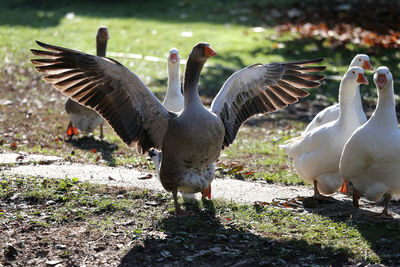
<point x="228" y="189"/>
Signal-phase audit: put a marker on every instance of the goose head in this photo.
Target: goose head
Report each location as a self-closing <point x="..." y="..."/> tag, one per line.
<point x="362" y="60"/>
<point x="201" y="52"/>
<point x="356" y="75"/>
<point x="101" y="41"/>
<point x="173" y="56"/>
<point x="102" y="34"/>
<point x="382" y="77"/>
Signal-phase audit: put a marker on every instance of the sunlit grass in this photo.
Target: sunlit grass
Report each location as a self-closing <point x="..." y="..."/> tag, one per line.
<point x="297" y="236"/>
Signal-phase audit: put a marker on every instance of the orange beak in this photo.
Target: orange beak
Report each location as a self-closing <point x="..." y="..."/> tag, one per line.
<point x="209" y="52"/>
<point x="173" y="58"/>
<point x="381" y="81"/>
<point x="361" y="79"/>
<point x="367" y="66"/>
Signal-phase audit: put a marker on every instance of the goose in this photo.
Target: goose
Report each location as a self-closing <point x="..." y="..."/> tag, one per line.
<point x="370" y="157"/>
<point x="316" y="155"/>
<point x="331" y="113"/>
<point x="81" y="117"/>
<point x="173" y="100"/>
<point x="191" y="140"/>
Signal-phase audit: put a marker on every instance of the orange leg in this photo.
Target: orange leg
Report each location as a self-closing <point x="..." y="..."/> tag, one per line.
<point x="345" y="187"/>
<point x="206" y="192"/>
<point x="317" y="195"/>
<point x="71" y="130"/>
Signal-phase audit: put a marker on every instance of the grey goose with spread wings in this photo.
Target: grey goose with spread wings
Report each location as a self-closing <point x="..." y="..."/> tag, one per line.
<point x="191" y="140"/>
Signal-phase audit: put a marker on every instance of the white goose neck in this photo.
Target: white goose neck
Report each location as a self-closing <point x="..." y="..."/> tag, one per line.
<point x="385" y="112"/>
<point x="174" y="86"/>
<point x="347" y="93"/>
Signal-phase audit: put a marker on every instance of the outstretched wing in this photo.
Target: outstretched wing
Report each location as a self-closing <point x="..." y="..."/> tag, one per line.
<point x="262" y="88"/>
<point x="106" y="86"/>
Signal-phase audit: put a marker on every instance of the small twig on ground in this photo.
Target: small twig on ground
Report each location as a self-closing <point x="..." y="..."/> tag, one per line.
<point x="100" y="238"/>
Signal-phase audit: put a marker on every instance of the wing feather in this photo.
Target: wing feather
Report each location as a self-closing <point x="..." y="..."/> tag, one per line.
<point x="259" y="89"/>
<point x="110" y="89"/>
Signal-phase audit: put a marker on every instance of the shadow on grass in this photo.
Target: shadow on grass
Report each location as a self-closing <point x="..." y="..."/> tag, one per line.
<point x="204" y="240"/>
<point x="88" y="143"/>
<point x="378" y="232"/>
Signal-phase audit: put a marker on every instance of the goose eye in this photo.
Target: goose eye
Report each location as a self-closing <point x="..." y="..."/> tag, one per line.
<point x="359" y="59"/>
<point x="353" y="72"/>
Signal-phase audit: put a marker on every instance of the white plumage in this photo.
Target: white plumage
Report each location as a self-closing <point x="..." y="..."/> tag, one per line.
<point x="370" y="158"/>
<point x="331" y="113"/>
<point x="316" y="155"/>
<point x="173" y="100"/>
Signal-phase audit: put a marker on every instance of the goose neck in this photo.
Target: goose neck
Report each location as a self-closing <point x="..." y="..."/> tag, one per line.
<point x="173" y="79"/>
<point x="347" y="93"/>
<point x="191" y="81"/>
<point x="385" y="111"/>
<point x="101" y="47"/>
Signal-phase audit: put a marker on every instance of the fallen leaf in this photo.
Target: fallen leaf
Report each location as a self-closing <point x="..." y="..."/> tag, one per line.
<point x="94" y="150"/>
<point x="249" y="173"/>
<point x="53" y="262"/>
<point x="151" y="203"/>
<point x="235" y="169"/>
<point x="260" y="203"/>
<point x="13" y="145"/>
<point x="148" y="176"/>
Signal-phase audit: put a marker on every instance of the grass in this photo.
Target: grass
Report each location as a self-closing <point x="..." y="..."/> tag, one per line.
<point x="138" y="226"/>
<point x="152" y="29"/>
<point x="269" y="233"/>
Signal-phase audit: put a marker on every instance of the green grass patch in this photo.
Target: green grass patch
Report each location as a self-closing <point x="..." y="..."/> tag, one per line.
<point x="268" y="233"/>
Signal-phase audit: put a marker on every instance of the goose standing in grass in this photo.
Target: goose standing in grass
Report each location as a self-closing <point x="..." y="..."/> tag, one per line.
<point x="316" y="155"/>
<point x="81" y="117"/>
<point x="191" y="140"/>
<point x="370" y="158"/>
<point x="331" y="113"/>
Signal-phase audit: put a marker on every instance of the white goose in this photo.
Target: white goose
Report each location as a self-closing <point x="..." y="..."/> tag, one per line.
<point x="173" y="100"/>
<point x="191" y="140"/>
<point x="370" y="158"/>
<point x="331" y="113"/>
<point x="316" y="155"/>
<point x="81" y="117"/>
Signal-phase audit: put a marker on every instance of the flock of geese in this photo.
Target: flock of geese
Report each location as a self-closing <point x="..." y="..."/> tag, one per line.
<point x="184" y="138"/>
